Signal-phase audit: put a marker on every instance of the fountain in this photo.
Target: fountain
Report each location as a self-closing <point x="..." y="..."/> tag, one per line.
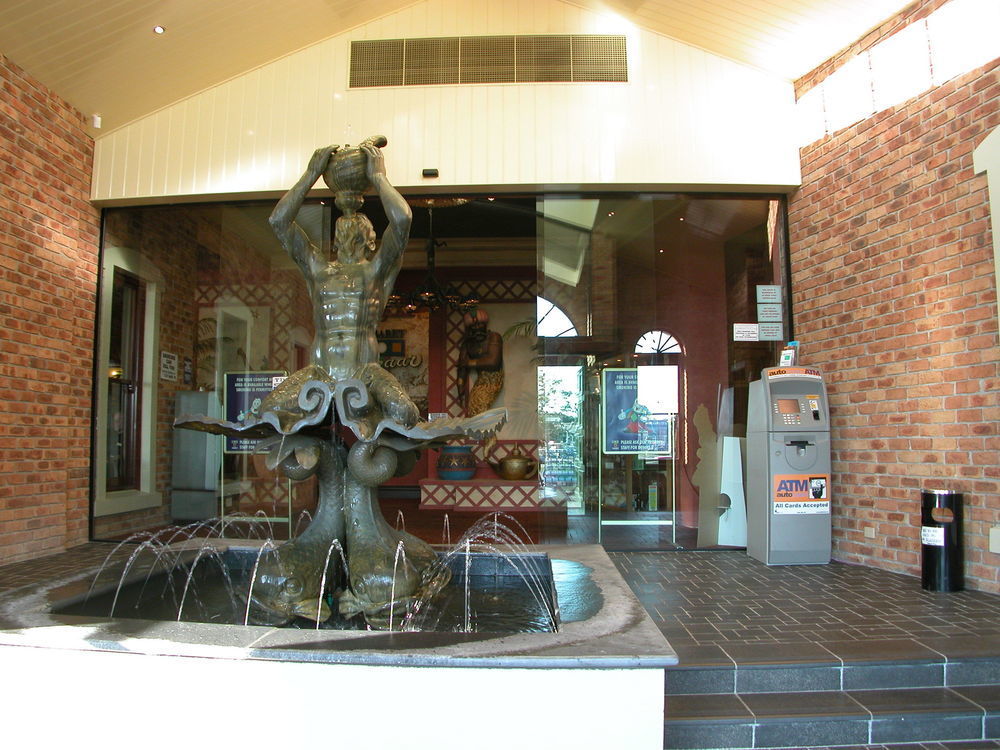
<point x="594" y="681"/>
<point x="491" y="583"/>
<point x="345" y="419"/>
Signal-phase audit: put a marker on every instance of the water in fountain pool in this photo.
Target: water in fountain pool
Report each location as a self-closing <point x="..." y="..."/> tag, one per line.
<point x="498" y="585"/>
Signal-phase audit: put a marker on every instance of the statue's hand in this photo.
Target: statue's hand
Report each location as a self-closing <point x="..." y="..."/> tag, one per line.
<point x="320" y="158"/>
<point x="376" y="162"/>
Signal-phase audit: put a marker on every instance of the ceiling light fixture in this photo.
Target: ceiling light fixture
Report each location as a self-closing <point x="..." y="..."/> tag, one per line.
<point x="158" y="29"/>
<point x="432" y="294"/>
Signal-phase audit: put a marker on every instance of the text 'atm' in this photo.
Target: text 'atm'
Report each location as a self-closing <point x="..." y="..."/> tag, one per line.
<point x="788" y="467"/>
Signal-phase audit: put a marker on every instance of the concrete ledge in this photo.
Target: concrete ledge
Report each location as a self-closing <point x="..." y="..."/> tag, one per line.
<point x="596" y="683"/>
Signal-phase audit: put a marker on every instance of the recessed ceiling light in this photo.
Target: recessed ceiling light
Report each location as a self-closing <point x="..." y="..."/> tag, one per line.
<point x="158" y="29"/>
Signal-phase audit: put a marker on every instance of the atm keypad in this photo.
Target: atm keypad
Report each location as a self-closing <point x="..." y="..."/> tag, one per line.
<point x="788" y="419"/>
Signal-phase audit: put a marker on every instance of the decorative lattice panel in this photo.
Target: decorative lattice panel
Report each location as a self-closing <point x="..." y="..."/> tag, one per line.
<point x="483" y="495"/>
<point x="276" y="295"/>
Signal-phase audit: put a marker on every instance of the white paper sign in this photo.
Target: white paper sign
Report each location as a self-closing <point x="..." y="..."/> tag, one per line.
<point x="932" y="536"/>
<point x="168" y="366"/>
<point x="746" y="332"/>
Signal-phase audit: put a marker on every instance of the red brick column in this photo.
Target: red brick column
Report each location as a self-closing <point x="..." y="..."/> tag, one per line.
<point x="48" y="281"/>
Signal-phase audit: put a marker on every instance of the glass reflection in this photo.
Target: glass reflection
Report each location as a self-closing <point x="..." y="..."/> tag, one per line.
<point x="578" y="286"/>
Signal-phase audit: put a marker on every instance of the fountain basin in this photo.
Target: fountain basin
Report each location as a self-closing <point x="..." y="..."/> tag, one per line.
<point x="209" y="581"/>
<point x="597" y="682"/>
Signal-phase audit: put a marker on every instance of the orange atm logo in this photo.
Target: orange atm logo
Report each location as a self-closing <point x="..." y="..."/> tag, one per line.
<point x="791" y="487"/>
<point x="801" y="493"/>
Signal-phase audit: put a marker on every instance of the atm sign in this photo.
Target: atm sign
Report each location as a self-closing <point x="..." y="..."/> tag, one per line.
<point x="801" y="493"/>
<point x="794" y="372"/>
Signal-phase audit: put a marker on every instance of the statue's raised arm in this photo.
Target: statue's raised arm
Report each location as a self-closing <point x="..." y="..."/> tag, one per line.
<point x="292" y="237"/>
<point x="389" y="258"/>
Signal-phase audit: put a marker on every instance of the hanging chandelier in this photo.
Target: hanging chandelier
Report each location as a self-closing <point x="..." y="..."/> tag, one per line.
<point x="432" y="294"/>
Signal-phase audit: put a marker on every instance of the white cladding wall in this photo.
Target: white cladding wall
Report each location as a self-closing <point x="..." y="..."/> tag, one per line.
<point x="686" y="118"/>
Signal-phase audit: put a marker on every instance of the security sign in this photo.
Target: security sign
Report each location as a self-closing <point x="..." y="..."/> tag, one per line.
<point x="801" y="493"/>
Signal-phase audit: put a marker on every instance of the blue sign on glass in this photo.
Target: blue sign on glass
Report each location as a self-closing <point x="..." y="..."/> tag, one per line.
<point x="244" y="393"/>
<point x="630" y="426"/>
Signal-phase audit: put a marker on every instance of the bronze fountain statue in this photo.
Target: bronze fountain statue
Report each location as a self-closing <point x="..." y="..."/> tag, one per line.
<point x="344" y="418"/>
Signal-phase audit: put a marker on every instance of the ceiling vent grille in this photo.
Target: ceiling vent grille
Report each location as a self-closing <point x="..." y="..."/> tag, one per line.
<point x="547" y="58"/>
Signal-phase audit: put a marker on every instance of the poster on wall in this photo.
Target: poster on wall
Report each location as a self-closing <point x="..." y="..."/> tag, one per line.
<point x="168" y="366"/>
<point x="243" y="395"/>
<point x="628" y="425"/>
<point x="403" y="343"/>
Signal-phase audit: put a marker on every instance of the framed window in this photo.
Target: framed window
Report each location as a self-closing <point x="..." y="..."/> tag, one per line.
<point x="657" y="342"/>
<point x="551" y="321"/>
<point x="124" y="469"/>
<point x="124" y="382"/>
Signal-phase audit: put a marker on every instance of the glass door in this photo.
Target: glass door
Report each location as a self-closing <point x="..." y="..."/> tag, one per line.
<point x="638" y="482"/>
<point x="560" y="412"/>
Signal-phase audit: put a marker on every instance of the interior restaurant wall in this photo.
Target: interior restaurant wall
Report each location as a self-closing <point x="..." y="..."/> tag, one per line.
<point x="894" y="297"/>
<point x="681" y="120"/>
<point x="48" y="283"/>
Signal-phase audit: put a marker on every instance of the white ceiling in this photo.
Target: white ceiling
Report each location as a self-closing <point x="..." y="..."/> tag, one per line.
<point x="103" y="57"/>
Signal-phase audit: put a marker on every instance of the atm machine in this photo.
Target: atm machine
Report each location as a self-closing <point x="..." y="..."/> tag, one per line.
<point x="788" y="468"/>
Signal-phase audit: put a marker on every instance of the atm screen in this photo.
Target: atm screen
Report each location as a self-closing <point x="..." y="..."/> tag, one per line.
<point x="788" y="406"/>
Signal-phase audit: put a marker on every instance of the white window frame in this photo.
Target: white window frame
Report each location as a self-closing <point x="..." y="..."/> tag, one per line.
<point x="123" y="501"/>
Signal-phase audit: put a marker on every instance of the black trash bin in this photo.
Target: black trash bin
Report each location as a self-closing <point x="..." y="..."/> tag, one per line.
<point x="941" y="540"/>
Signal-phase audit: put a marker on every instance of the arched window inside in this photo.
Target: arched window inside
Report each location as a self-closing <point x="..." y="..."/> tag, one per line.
<point x="552" y="321"/>
<point x="657" y="342"/>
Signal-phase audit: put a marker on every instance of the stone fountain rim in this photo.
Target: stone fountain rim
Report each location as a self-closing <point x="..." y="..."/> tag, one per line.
<point x="620" y="635"/>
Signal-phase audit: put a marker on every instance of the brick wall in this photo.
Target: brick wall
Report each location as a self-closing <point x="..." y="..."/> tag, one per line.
<point x="48" y="281"/>
<point x="894" y="297"/>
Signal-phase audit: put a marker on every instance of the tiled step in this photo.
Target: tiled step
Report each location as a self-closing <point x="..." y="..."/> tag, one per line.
<point x="824" y="718"/>
<point x="843" y="665"/>
<point x="756" y="695"/>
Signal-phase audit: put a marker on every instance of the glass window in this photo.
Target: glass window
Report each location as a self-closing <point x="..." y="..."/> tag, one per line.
<point x="661" y="279"/>
<point x="125" y="362"/>
<point x="614" y="314"/>
<point x="657" y="342"/>
<point x="551" y="321"/>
